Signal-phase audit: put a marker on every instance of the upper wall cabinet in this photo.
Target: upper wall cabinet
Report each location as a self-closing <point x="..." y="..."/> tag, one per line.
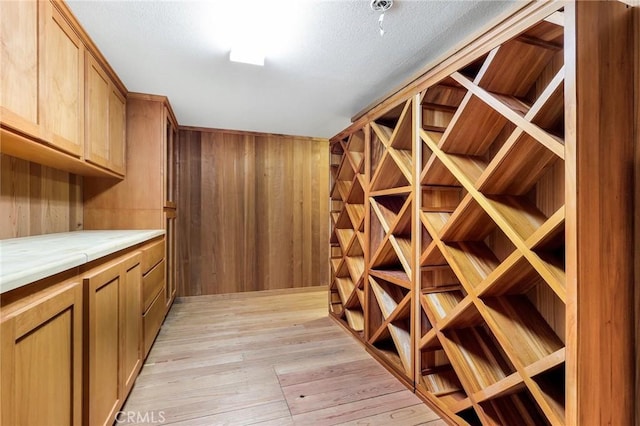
<point x="117" y="134"/>
<point x="104" y="119"/>
<point x="60" y="103"/>
<point x="20" y="31"/>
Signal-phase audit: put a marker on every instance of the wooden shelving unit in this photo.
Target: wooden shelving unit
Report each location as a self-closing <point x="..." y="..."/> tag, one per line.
<point x="493" y="183"/>
<point x="467" y="286"/>
<point x="347" y="235"/>
<point x="390" y="307"/>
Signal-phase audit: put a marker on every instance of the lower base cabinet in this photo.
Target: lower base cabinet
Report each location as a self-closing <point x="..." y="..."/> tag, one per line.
<point x="41" y="358"/>
<point x="112" y="292"/>
<point x="71" y="346"/>
<point x="132" y="357"/>
<point x="153" y="307"/>
<point x="152" y="320"/>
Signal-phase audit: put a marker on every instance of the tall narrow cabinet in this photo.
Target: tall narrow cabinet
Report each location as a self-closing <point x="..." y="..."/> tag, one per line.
<point x="497" y="281"/>
<point x="145" y="199"/>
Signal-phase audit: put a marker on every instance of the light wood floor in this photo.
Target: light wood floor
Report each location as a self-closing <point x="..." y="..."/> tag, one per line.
<point x="268" y="358"/>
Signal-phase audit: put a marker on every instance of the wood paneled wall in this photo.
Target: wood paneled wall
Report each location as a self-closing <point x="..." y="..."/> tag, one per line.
<point x="35" y="199"/>
<point x="252" y="212"/>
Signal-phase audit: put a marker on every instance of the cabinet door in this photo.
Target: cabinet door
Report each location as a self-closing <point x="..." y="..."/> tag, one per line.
<point x="105" y="119"/>
<point x="104" y="387"/>
<point x="131" y="325"/>
<point x="41" y="360"/>
<point x="62" y="83"/>
<point x="115" y="336"/>
<point x="170" y="161"/>
<point x="20" y="32"/>
<point x="97" y="114"/>
<point x="170" y="235"/>
<point x="117" y="125"/>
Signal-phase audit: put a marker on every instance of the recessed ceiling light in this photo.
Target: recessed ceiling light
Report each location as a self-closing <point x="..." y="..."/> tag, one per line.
<point x="254" y="29"/>
<point x="247" y="56"/>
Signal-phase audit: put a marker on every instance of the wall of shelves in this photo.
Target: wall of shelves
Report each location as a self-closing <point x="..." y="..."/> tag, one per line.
<point x="467" y="287"/>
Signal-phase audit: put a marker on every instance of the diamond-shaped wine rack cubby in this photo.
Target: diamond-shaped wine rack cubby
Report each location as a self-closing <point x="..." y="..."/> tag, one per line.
<point x="347" y="238"/>
<point x="462" y="290"/>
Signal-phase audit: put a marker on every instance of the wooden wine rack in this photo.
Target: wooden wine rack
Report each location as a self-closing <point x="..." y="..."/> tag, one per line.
<point x="347" y="238"/>
<point x="450" y="239"/>
<point x="391" y="268"/>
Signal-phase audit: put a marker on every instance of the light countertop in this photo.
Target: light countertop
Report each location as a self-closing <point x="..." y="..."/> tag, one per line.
<point x="28" y="259"/>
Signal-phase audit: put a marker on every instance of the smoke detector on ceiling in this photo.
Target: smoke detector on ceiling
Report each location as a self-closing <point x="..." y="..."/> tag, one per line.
<point x="381" y="5"/>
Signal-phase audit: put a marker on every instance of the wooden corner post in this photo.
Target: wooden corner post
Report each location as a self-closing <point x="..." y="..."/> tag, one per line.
<point x="599" y="225"/>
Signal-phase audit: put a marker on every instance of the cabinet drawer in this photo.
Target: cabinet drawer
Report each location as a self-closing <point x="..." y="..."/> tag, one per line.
<point x="152" y="282"/>
<point x="151" y="255"/>
<point x="152" y="320"/>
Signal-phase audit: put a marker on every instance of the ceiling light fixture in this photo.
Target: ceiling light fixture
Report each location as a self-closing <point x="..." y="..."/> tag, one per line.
<point x="249" y="31"/>
<point x="381" y="6"/>
<point x="247" y="56"/>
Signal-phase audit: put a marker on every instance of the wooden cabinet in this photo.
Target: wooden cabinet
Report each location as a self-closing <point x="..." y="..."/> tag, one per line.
<point x="97" y="114"/>
<point x="131" y="325"/>
<point x="145" y="199"/>
<point x="170" y="181"/>
<point x="104" y="119"/>
<point x="103" y="358"/>
<point x="170" y="285"/>
<point x="62" y="100"/>
<point x="468" y="216"/>
<point x="117" y="125"/>
<point x="72" y="345"/>
<point x="41" y="357"/>
<point x="42" y="60"/>
<point x="21" y="34"/>
<point x="114" y="336"/>
<point x="152" y="320"/>
<point x="52" y="82"/>
<point x="170" y="161"/>
<point x="153" y="291"/>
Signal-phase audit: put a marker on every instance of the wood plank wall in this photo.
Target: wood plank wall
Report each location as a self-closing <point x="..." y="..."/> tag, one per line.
<point x="252" y="212"/>
<point x="35" y="199"/>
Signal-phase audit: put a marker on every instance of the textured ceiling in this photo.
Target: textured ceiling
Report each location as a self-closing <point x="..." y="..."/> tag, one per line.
<point x="330" y="61"/>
